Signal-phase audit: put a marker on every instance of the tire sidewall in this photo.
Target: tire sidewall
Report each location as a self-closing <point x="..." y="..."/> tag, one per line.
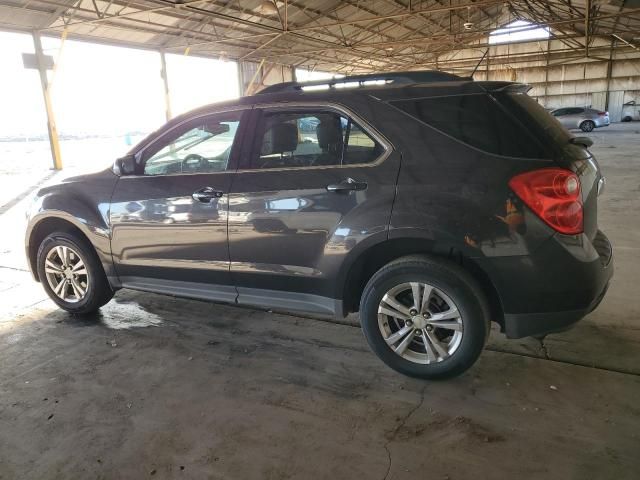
<point x="470" y="307"/>
<point x="583" y="126"/>
<point x="61" y="239"/>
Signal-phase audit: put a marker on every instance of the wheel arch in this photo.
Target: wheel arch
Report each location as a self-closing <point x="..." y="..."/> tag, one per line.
<point x="369" y="261"/>
<point x="45" y="225"/>
<point x="587" y="120"/>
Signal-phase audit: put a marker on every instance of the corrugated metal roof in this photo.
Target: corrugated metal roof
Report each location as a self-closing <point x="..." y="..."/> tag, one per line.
<point x="347" y="36"/>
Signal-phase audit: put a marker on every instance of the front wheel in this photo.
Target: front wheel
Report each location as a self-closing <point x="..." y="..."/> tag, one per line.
<point x="71" y="274"/>
<point x="425" y="317"/>
<point x="587" y="126"/>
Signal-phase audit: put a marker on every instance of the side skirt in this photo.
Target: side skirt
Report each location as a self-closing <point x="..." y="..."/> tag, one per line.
<point x="200" y="291"/>
<point x="289" y="301"/>
<point x="254" y="297"/>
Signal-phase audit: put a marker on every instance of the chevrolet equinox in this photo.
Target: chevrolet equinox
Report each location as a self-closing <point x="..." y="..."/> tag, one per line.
<point x="430" y="203"/>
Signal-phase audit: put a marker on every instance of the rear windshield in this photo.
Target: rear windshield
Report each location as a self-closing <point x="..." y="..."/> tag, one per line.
<point x="527" y="109"/>
<point x="477" y="120"/>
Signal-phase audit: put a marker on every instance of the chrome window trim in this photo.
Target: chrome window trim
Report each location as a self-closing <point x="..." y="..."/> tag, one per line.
<point x="338" y="108"/>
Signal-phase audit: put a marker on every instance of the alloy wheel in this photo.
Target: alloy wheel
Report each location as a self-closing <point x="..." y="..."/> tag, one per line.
<point x="420" y="323"/>
<point x="66" y="274"/>
<point x="587" y="126"/>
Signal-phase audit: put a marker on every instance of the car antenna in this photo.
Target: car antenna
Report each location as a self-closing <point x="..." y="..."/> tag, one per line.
<point x="478" y="64"/>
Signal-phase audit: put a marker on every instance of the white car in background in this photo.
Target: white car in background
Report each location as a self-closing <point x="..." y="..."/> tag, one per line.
<point x="586" y="119"/>
<point x="631" y="112"/>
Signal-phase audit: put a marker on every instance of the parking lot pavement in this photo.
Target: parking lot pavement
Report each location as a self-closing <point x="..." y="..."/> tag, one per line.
<point x="166" y="388"/>
<point x="156" y="384"/>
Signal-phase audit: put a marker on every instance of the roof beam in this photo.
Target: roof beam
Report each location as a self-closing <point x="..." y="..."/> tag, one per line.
<point x="412" y="13"/>
<point x="432" y="37"/>
<point x="103" y="18"/>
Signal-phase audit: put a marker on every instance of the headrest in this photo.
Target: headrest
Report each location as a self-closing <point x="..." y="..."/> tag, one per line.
<point x="329" y="133"/>
<point x="280" y="138"/>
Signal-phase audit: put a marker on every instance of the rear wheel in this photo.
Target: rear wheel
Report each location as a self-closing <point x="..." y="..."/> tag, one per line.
<point x="425" y="317"/>
<point x="587" y="126"/>
<point x="71" y="274"/>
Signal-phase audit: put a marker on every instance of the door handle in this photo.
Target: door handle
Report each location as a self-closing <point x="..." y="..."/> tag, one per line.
<point x="346" y="185"/>
<point x="206" y="194"/>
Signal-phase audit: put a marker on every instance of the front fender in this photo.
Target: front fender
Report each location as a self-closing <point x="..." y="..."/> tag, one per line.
<point x="81" y="204"/>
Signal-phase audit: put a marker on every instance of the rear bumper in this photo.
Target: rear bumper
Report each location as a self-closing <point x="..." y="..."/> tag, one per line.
<point x="551" y="289"/>
<point x="518" y="325"/>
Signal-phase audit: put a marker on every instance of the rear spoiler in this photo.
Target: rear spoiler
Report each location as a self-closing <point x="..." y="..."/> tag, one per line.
<point x="584" y="141"/>
<point x="508" y="87"/>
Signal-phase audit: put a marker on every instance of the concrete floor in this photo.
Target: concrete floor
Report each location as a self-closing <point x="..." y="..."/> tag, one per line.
<point x="167" y="388"/>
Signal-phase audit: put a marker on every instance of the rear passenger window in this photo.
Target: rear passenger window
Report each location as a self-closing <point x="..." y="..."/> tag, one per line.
<point x="311" y="139"/>
<point x="476" y="120"/>
<point x="360" y="148"/>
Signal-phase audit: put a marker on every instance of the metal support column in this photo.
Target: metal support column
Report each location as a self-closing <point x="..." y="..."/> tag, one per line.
<point x="587" y="15"/>
<point x="546" y="72"/>
<point x="46" y="92"/>
<point x="609" y="71"/>
<point x="241" y="78"/>
<point x="165" y="81"/>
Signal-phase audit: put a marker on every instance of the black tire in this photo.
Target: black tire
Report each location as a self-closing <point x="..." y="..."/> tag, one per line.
<point x="452" y="280"/>
<point x="98" y="291"/>
<point x="587" y="126"/>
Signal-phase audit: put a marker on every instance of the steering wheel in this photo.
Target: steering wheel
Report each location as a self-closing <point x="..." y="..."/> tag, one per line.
<point x="194" y="162"/>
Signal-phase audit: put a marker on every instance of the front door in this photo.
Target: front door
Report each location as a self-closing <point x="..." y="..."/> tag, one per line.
<point x="169" y="220"/>
<point x="316" y="184"/>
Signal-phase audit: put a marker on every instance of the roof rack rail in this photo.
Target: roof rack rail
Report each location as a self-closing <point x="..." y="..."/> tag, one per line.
<point x="426" y="76"/>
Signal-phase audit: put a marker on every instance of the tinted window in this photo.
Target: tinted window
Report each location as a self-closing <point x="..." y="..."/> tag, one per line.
<point x="573" y="111"/>
<point x="200" y="147"/>
<point x="532" y="114"/>
<point x="476" y="120"/>
<point x="309" y="139"/>
<point x="361" y="148"/>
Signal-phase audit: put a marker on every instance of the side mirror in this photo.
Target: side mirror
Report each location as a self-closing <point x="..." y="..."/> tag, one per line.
<point x="125" y="165"/>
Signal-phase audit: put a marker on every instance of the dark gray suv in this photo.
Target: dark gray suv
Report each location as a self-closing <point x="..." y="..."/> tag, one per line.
<point x="429" y="203"/>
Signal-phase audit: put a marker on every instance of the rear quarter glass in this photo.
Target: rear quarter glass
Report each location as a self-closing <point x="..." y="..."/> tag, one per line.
<point x="476" y="120"/>
<point x="544" y="126"/>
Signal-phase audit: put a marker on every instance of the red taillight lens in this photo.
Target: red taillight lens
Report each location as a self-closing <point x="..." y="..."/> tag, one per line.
<point x="554" y="195"/>
<point x="603" y="114"/>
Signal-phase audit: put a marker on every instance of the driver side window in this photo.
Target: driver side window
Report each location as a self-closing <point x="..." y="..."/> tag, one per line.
<point x="202" y="146"/>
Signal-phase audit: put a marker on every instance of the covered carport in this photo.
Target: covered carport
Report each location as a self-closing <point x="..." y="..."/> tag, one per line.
<point x="154" y="386"/>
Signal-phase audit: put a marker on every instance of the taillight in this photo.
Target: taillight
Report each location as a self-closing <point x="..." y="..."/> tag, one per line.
<point x="603" y="114"/>
<point x="554" y="195"/>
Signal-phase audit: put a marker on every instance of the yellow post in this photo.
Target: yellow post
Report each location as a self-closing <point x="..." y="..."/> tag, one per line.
<point x="51" y="123"/>
<point x="165" y="82"/>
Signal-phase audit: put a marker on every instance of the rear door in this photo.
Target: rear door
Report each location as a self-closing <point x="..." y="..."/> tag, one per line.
<point x="574" y="117"/>
<point x="316" y="184"/>
<point x="169" y="219"/>
<point x="562" y="114"/>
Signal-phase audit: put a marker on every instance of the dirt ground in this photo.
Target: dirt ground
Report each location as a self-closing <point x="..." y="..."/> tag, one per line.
<point x="157" y="387"/>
